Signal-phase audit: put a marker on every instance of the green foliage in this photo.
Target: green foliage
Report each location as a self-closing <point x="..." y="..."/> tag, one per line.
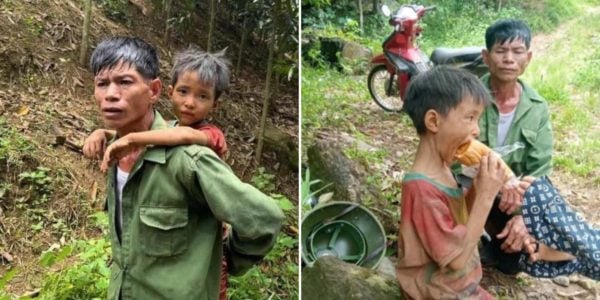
<point x="87" y="278"/>
<point x="4" y="280"/>
<point x="39" y="180"/>
<point x="114" y="9"/>
<point x="305" y="187"/>
<point x="34" y="26"/>
<point x="283" y="202"/>
<point x="588" y="77"/>
<point x="12" y="145"/>
<point x="366" y="157"/>
<point x="275" y="278"/>
<point x="263" y="180"/>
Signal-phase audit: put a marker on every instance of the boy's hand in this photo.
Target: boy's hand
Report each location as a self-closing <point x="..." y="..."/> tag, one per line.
<point x="490" y="178"/>
<point x="116" y="151"/>
<point x="95" y="144"/>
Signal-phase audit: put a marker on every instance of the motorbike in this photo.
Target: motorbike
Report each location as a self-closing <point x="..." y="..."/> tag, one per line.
<point x="402" y="59"/>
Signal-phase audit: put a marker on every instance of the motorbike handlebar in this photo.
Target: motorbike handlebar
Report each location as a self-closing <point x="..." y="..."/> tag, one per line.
<point x="429" y="8"/>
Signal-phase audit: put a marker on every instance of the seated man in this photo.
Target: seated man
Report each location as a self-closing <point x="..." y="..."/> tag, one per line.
<point x="518" y="115"/>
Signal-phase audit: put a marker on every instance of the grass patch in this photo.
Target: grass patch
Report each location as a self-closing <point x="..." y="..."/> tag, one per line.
<point x="570" y="82"/>
<point x="328" y="96"/>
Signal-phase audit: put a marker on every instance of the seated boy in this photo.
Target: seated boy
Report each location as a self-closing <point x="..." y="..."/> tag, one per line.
<point x="197" y="80"/>
<point x="440" y="227"/>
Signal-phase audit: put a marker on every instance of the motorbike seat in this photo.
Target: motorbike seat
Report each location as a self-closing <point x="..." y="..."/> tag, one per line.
<point x="441" y="56"/>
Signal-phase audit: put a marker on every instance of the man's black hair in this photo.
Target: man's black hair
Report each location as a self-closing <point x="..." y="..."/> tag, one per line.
<point x="441" y="89"/>
<point x="131" y="50"/>
<point x="507" y="30"/>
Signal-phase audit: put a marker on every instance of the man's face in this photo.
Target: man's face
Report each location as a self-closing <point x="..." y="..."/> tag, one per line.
<point x="507" y="61"/>
<point x="124" y="96"/>
<point x="192" y="98"/>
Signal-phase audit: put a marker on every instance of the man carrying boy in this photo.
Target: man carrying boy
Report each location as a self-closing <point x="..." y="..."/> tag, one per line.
<point x="440" y="228"/>
<point x="198" y="78"/>
<point x="166" y="204"/>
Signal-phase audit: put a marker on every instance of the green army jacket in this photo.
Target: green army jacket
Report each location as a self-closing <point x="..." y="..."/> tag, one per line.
<point x="174" y="201"/>
<point x="531" y="126"/>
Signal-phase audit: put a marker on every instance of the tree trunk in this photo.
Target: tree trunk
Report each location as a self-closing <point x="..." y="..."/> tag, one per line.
<point x="375" y="6"/>
<point x="360" y="10"/>
<point x="266" y="95"/>
<point x="243" y="41"/>
<point x="86" y="30"/>
<point x="211" y="24"/>
<point x="167" y="10"/>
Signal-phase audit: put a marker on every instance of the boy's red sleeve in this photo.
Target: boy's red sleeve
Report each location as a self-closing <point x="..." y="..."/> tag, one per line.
<point x="442" y="238"/>
<point x="217" y="139"/>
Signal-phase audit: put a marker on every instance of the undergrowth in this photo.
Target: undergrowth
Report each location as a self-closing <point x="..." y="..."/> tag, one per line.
<point x="80" y="269"/>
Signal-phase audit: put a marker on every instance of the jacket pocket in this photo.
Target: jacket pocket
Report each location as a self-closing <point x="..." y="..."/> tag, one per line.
<point x="163" y="230"/>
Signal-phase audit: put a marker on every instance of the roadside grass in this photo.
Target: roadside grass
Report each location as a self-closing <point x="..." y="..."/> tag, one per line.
<point x="567" y="75"/>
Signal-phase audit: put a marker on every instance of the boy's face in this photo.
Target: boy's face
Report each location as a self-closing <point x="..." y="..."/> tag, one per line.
<point x="507" y="61"/>
<point x="192" y="98"/>
<point x="124" y="96"/>
<point x="459" y="126"/>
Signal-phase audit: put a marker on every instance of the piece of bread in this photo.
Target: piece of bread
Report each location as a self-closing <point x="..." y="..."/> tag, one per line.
<point x="470" y="154"/>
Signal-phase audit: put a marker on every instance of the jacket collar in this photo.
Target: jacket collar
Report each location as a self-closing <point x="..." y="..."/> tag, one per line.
<point x="528" y="97"/>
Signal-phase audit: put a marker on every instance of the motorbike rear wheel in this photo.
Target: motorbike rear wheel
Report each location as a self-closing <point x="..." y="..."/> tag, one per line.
<point x="384" y="89"/>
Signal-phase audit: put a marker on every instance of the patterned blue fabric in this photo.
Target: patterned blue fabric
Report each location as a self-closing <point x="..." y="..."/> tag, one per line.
<point x="551" y="221"/>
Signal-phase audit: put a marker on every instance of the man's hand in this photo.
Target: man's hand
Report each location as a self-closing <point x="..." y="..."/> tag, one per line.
<point x="95" y="144"/>
<point x="516" y="235"/>
<point x="488" y="181"/>
<point x="117" y="150"/>
<point x="512" y="195"/>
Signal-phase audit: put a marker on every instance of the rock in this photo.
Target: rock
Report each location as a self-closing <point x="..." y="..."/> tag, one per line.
<point x="332" y="279"/>
<point x="561" y="280"/>
<point x="349" y="179"/>
<point x="574" y="278"/>
<point x="387" y="268"/>
<point x="588" y="284"/>
<point x="356" y="51"/>
<point x="328" y="162"/>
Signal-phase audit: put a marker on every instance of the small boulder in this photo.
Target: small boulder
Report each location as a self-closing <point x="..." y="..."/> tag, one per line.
<point x="332" y="279"/>
<point x="356" y="51"/>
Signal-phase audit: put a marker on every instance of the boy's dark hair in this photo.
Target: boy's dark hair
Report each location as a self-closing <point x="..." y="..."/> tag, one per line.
<point x="212" y="68"/>
<point x="507" y="30"/>
<point x="441" y="89"/>
<point x="131" y="50"/>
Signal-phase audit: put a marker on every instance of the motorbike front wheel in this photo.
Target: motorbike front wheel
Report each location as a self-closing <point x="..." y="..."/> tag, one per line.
<point x="384" y="89"/>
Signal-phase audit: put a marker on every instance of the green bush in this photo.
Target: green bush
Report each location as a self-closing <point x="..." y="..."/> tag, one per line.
<point x="87" y="278"/>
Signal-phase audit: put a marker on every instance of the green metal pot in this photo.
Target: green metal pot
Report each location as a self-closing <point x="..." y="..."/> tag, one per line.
<point x="340" y="239"/>
<point x="346" y="230"/>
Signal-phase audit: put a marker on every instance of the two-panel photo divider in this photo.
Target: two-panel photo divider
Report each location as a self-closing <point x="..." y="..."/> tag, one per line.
<point x="299" y="149"/>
